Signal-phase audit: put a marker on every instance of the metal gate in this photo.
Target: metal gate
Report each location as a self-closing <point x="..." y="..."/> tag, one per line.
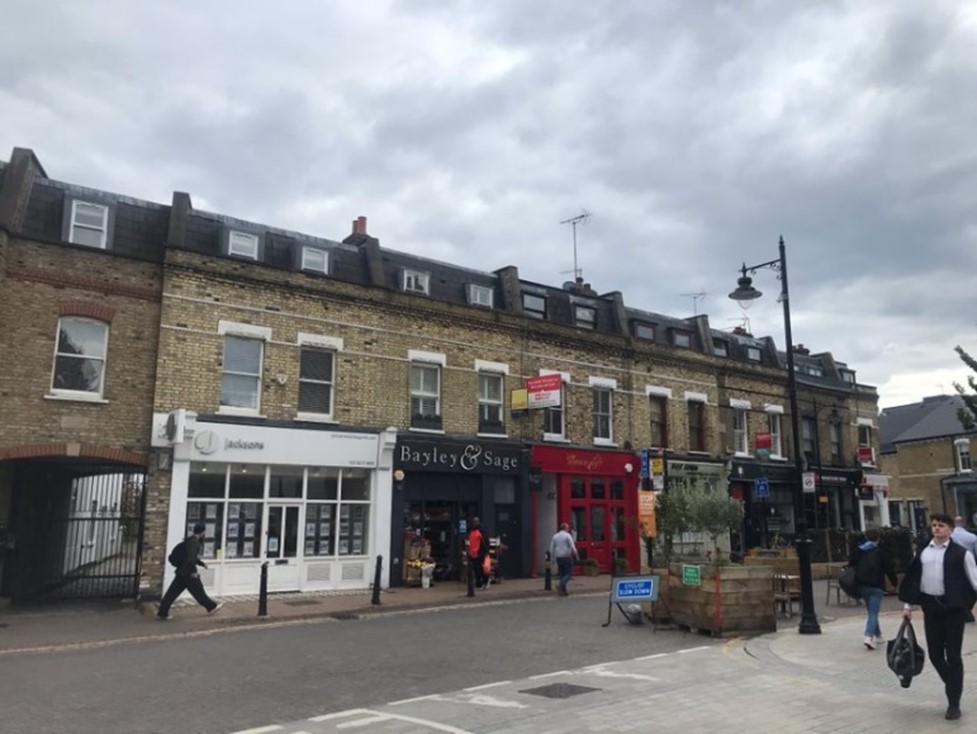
<point x="96" y="539"/>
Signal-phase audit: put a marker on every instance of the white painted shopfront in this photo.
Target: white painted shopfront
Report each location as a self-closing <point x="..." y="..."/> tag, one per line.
<point x="314" y="504"/>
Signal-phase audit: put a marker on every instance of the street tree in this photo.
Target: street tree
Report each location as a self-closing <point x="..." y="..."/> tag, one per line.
<point x="968" y="414"/>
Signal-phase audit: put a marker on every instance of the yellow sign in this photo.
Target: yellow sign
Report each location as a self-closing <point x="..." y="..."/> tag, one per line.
<point x="646" y="513"/>
<point x="520" y="399"/>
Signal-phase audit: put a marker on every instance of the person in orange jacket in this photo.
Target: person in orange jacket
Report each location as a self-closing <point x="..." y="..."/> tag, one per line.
<point x="477" y="550"/>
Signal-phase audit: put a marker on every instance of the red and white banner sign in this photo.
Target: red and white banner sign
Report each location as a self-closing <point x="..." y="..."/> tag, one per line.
<point x="544" y="391"/>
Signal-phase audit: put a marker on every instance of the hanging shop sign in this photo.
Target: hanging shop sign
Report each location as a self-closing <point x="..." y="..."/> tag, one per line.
<point x="764" y="442"/>
<point x="544" y="391"/>
<point x="696" y="476"/>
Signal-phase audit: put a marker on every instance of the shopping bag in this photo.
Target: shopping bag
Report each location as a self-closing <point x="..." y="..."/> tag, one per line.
<point x="487" y="566"/>
<point x="904" y="655"/>
<point x="849" y="583"/>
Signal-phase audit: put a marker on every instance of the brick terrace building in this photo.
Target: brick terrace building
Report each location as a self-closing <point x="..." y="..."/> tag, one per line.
<point x="317" y="403"/>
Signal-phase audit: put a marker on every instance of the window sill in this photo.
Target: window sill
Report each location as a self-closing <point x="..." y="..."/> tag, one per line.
<point x="492" y="435"/>
<point x="700" y="452"/>
<point x="314" y="417"/>
<point x="743" y="454"/>
<point x="555" y="438"/>
<point x="76" y="398"/>
<point x="606" y="442"/>
<point x="247" y="412"/>
<point x="777" y="457"/>
<point x="436" y="431"/>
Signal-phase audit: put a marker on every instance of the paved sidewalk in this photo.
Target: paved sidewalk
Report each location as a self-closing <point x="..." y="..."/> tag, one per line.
<point x="99" y="623"/>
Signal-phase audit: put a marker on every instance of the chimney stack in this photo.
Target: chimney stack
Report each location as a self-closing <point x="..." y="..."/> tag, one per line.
<point x="359" y="225"/>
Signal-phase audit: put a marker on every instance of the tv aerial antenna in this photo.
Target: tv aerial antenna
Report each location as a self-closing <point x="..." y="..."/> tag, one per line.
<point x="696" y="297"/>
<point x="581" y="218"/>
<point x="744" y="322"/>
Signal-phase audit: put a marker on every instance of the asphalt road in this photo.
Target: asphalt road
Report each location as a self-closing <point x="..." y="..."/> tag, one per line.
<point x="237" y="680"/>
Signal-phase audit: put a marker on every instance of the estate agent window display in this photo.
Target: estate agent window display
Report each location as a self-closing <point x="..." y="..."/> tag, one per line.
<point x="336" y="503"/>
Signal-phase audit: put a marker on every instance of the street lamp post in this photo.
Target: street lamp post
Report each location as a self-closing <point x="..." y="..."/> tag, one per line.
<point x="746" y="292"/>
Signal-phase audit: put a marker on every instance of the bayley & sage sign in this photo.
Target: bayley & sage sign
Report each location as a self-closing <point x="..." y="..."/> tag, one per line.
<point x="457" y="456"/>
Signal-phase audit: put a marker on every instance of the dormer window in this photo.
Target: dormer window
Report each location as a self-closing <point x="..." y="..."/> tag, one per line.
<point x="682" y="339"/>
<point x="644" y="330"/>
<point x="242" y="244"/>
<point x="754" y="354"/>
<point x="416" y="282"/>
<point x="315" y="259"/>
<point x="585" y="317"/>
<point x="848" y="376"/>
<point x="815" y="370"/>
<point x="534" y="306"/>
<point x="89" y="224"/>
<point x="720" y="347"/>
<point x="480" y="295"/>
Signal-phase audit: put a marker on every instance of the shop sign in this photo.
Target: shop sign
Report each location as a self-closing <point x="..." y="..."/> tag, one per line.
<point x="691" y="575"/>
<point x="558" y="460"/>
<point x="657" y="473"/>
<point x="544" y="391"/>
<point x="696" y="476"/>
<point x="456" y="456"/>
<point x="644" y="464"/>
<point x="866" y="455"/>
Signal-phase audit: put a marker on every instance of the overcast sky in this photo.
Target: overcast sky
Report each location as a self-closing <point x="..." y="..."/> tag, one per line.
<point x="695" y="133"/>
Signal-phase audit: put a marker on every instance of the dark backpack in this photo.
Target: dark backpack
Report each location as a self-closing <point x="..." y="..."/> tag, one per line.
<point x="178" y="556"/>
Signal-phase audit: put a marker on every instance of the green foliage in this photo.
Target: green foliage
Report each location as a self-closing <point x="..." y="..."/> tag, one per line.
<point x="968" y="414"/>
<point x="715" y="513"/>
<point x="672" y="517"/>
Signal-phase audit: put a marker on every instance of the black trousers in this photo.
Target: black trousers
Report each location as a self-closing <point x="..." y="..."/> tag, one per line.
<point x="194" y="585"/>
<point x="944" y="640"/>
<point x="477" y="571"/>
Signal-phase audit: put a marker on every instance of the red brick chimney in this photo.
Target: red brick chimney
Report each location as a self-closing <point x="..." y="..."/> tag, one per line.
<point x="359" y="225"/>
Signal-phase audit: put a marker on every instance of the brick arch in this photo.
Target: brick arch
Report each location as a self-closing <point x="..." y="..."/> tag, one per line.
<point x="87" y="309"/>
<point x="74" y="451"/>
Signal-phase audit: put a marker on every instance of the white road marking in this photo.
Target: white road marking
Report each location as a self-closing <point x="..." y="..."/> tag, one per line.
<point x="489" y="685"/>
<point x="549" y="675"/>
<point x="653" y="657"/>
<point x="693" y="649"/>
<point x="374" y="718"/>
<point x="431" y="724"/>
<point x="339" y="714"/>
<point x="479" y="699"/>
<point x="260" y="730"/>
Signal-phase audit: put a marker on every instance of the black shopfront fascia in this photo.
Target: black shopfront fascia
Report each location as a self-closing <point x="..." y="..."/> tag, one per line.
<point x="467" y="474"/>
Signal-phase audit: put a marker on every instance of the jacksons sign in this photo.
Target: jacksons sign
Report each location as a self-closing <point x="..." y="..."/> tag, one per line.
<point x="458" y="457"/>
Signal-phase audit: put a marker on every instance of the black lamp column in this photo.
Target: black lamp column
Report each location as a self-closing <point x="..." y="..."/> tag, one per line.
<point x="746" y="292"/>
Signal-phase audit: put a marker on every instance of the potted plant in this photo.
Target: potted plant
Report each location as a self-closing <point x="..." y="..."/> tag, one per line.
<point x="591" y="567"/>
<point x="621" y="566"/>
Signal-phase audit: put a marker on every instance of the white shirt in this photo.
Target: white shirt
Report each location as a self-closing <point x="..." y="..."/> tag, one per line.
<point x="931" y="581"/>
<point x="562" y="545"/>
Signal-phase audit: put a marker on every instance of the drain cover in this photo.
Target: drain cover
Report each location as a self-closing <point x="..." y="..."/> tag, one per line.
<point x="302" y="602"/>
<point x="560" y="690"/>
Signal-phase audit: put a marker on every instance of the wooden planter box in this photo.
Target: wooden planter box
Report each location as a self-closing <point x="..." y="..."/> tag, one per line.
<point x="731" y="600"/>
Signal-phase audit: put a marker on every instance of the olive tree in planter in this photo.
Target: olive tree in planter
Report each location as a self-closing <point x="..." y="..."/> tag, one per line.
<point x="728" y="597"/>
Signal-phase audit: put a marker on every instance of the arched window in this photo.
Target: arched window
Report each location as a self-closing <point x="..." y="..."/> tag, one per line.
<point x="79" y="357"/>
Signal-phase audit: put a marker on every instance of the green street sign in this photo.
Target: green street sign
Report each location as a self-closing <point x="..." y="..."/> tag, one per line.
<point x="691" y="575"/>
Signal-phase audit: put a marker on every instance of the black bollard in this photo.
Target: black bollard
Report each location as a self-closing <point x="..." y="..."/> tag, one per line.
<point x="263" y="592"/>
<point x="376" y="582"/>
<point x="548" y="574"/>
<point x="471" y="579"/>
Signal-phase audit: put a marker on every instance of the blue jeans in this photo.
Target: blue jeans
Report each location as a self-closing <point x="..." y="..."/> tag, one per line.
<point x="565" y="569"/>
<point x="872" y="596"/>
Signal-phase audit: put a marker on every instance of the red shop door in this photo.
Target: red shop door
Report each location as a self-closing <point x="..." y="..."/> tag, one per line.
<point x="596" y="511"/>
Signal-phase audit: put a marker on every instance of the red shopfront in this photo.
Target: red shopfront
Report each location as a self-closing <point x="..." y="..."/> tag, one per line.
<point x="596" y="492"/>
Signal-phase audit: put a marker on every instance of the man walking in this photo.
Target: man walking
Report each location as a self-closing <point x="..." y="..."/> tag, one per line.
<point x="564" y="551"/>
<point x="477" y="550"/>
<point x="872" y="566"/>
<point x="187" y="578"/>
<point x="942" y="579"/>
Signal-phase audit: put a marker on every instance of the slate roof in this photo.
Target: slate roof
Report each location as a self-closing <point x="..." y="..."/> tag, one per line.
<point x="934" y="417"/>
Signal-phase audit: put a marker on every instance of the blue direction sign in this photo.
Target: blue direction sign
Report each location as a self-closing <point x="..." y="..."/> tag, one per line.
<point x="761" y="488"/>
<point x="635" y="588"/>
<point x="643" y="473"/>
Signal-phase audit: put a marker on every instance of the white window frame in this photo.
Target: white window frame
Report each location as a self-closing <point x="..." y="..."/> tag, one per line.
<point x="682" y="339"/>
<point x="589" y="320"/>
<point x="485" y="403"/>
<point x="720" y="347"/>
<point x="414" y="281"/>
<point x="641" y="325"/>
<point x="85" y="395"/>
<point x="242" y="244"/>
<point x="315" y="252"/>
<point x="103" y="230"/>
<point x="236" y="409"/>
<point x="754" y="354"/>
<point x="560" y="437"/>
<point x="775" y="425"/>
<point x="961" y="449"/>
<point x="741" y="426"/>
<point x="481" y="295"/>
<point x="425" y="360"/>
<point x="599" y="393"/>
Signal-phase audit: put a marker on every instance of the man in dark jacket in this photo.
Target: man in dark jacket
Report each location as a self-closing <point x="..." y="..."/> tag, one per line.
<point x="872" y="566"/>
<point x="942" y="579"/>
<point x="187" y="578"/>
